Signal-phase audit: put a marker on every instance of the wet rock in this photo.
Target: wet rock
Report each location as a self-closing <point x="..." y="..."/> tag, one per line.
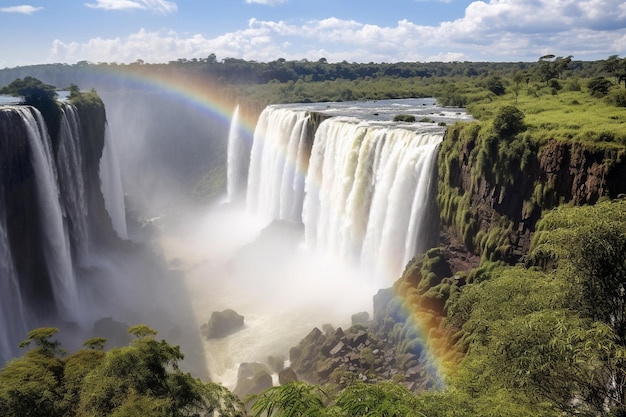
<point x="276" y="363"/>
<point x="362" y="318"/>
<point x="222" y="323"/>
<point x="287" y="375"/>
<point x="252" y="378"/>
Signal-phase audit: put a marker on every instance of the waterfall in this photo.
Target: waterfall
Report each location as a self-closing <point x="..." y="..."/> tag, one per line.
<point x="72" y="182"/>
<point x="12" y="311"/>
<point x="236" y="159"/>
<point x="275" y="179"/>
<point x="366" y="190"/>
<point x="111" y="186"/>
<point x="56" y="241"/>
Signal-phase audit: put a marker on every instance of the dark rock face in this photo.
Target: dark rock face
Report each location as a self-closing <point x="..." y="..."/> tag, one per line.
<point x="222" y="323"/>
<point x="252" y="378"/>
<point x="582" y="175"/>
<point x="115" y="332"/>
<point x="18" y="196"/>
<point x="560" y="172"/>
<point x="286" y="376"/>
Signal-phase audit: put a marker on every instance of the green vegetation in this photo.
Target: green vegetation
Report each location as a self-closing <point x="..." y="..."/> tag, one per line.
<point x="409" y="118"/>
<point x="93" y="122"/>
<point x="552" y="334"/>
<point x="41" y="96"/>
<point x="141" y="379"/>
<point x="544" y="337"/>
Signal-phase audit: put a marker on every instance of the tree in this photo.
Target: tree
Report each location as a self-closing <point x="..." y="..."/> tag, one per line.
<point x="616" y="67"/>
<point x="294" y="399"/>
<point x="589" y="243"/>
<point x="546" y="69"/>
<point x="33" y="90"/>
<point x="526" y="343"/>
<point x="144" y="378"/>
<point x="41" y="96"/>
<point x="561" y="64"/>
<point x="41" y="338"/>
<point x="599" y="86"/>
<point x="383" y="399"/>
<point x="509" y="121"/>
<point x="588" y="246"/>
<point x="495" y="85"/>
<point x="31" y="385"/>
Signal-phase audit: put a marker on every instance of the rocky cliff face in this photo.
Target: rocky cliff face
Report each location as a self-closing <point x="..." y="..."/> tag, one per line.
<point x="92" y="117"/>
<point x="18" y="196"/>
<point x="21" y="209"/>
<point x="490" y="202"/>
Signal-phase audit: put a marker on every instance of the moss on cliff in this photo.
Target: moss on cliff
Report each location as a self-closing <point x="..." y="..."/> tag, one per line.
<point x="493" y="187"/>
<point x="93" y="123"/>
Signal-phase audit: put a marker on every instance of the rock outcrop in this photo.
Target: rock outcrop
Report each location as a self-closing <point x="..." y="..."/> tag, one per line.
<point x="490" y="203"/>
<point x="369" y="354"/>
<point x="252" y="378"/>
<point x="222" y="323"/>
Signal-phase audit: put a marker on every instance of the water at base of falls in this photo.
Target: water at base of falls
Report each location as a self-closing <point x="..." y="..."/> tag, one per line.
<point x="358" y="209"/>
<point x="282" y="291"/>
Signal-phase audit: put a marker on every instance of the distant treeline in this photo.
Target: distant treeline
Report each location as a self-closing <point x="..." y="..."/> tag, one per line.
<point x="239" y="71"/>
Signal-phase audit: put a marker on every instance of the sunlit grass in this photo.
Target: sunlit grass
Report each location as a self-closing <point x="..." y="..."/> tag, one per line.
<point x="567" y="115"/>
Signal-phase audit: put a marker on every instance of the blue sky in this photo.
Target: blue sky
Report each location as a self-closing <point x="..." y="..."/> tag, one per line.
<point x="122" y="31"/>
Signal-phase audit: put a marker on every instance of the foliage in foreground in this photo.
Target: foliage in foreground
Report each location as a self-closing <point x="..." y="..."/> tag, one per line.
<point x="141" y="379"/>
<point x="551" y="334"/>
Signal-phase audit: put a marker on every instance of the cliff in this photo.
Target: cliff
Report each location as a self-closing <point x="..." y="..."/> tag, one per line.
<point x="92" y="115"/>
<point x="493" y="190"/>
<point x="18" y="203"/>
<point x="22" y="210"/>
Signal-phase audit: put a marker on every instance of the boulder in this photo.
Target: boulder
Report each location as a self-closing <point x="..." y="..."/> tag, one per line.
<point x="286" y="376"/>
<point x="362" y="318"/>
<point x="115" y="332"/>
<point x="276" y="363"/>
<point x="252" y="378"/>
<point x="356" y="339"/>
<point x="222" y="323"/>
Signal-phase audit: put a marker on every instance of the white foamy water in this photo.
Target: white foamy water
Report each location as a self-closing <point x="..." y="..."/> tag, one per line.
<point x="360" y="201"/>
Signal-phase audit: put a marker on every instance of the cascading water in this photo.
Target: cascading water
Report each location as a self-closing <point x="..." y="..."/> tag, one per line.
<point x="12" y="311"/>
<point x="359" y="186"/>
<point x="237" y="159"/>
<point x="275" y="181"/>
<point x="56" y="245"/>
<point x="111" y="186"/>
<point x="366" y="191"/>
<point x="60" y="263"/>
<point x="72" y="182"/>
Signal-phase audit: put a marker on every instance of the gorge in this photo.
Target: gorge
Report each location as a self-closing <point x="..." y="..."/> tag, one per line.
<point x="289" y="251"/>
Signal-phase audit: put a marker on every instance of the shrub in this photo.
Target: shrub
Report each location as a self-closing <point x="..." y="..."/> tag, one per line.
<point x="599" y="86"/>
<point x="404" y="118"/>
<point x="509" y="121"/>
<point x="617" y="98"/>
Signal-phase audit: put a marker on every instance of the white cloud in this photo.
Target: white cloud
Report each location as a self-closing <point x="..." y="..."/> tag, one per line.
<point x="506" y="30"/>
<point x="266" y="2"/>
<point x="157" y="6"/>
<point x="25" y="9"/>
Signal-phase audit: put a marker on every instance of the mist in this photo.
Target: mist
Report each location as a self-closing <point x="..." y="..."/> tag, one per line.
<point x="215" y="255"/>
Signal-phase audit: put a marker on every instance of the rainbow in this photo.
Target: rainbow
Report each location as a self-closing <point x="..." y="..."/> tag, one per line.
<point x="200" y="92"/>
<point x="437" y="341"/>
<point x="195" y="90"/>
